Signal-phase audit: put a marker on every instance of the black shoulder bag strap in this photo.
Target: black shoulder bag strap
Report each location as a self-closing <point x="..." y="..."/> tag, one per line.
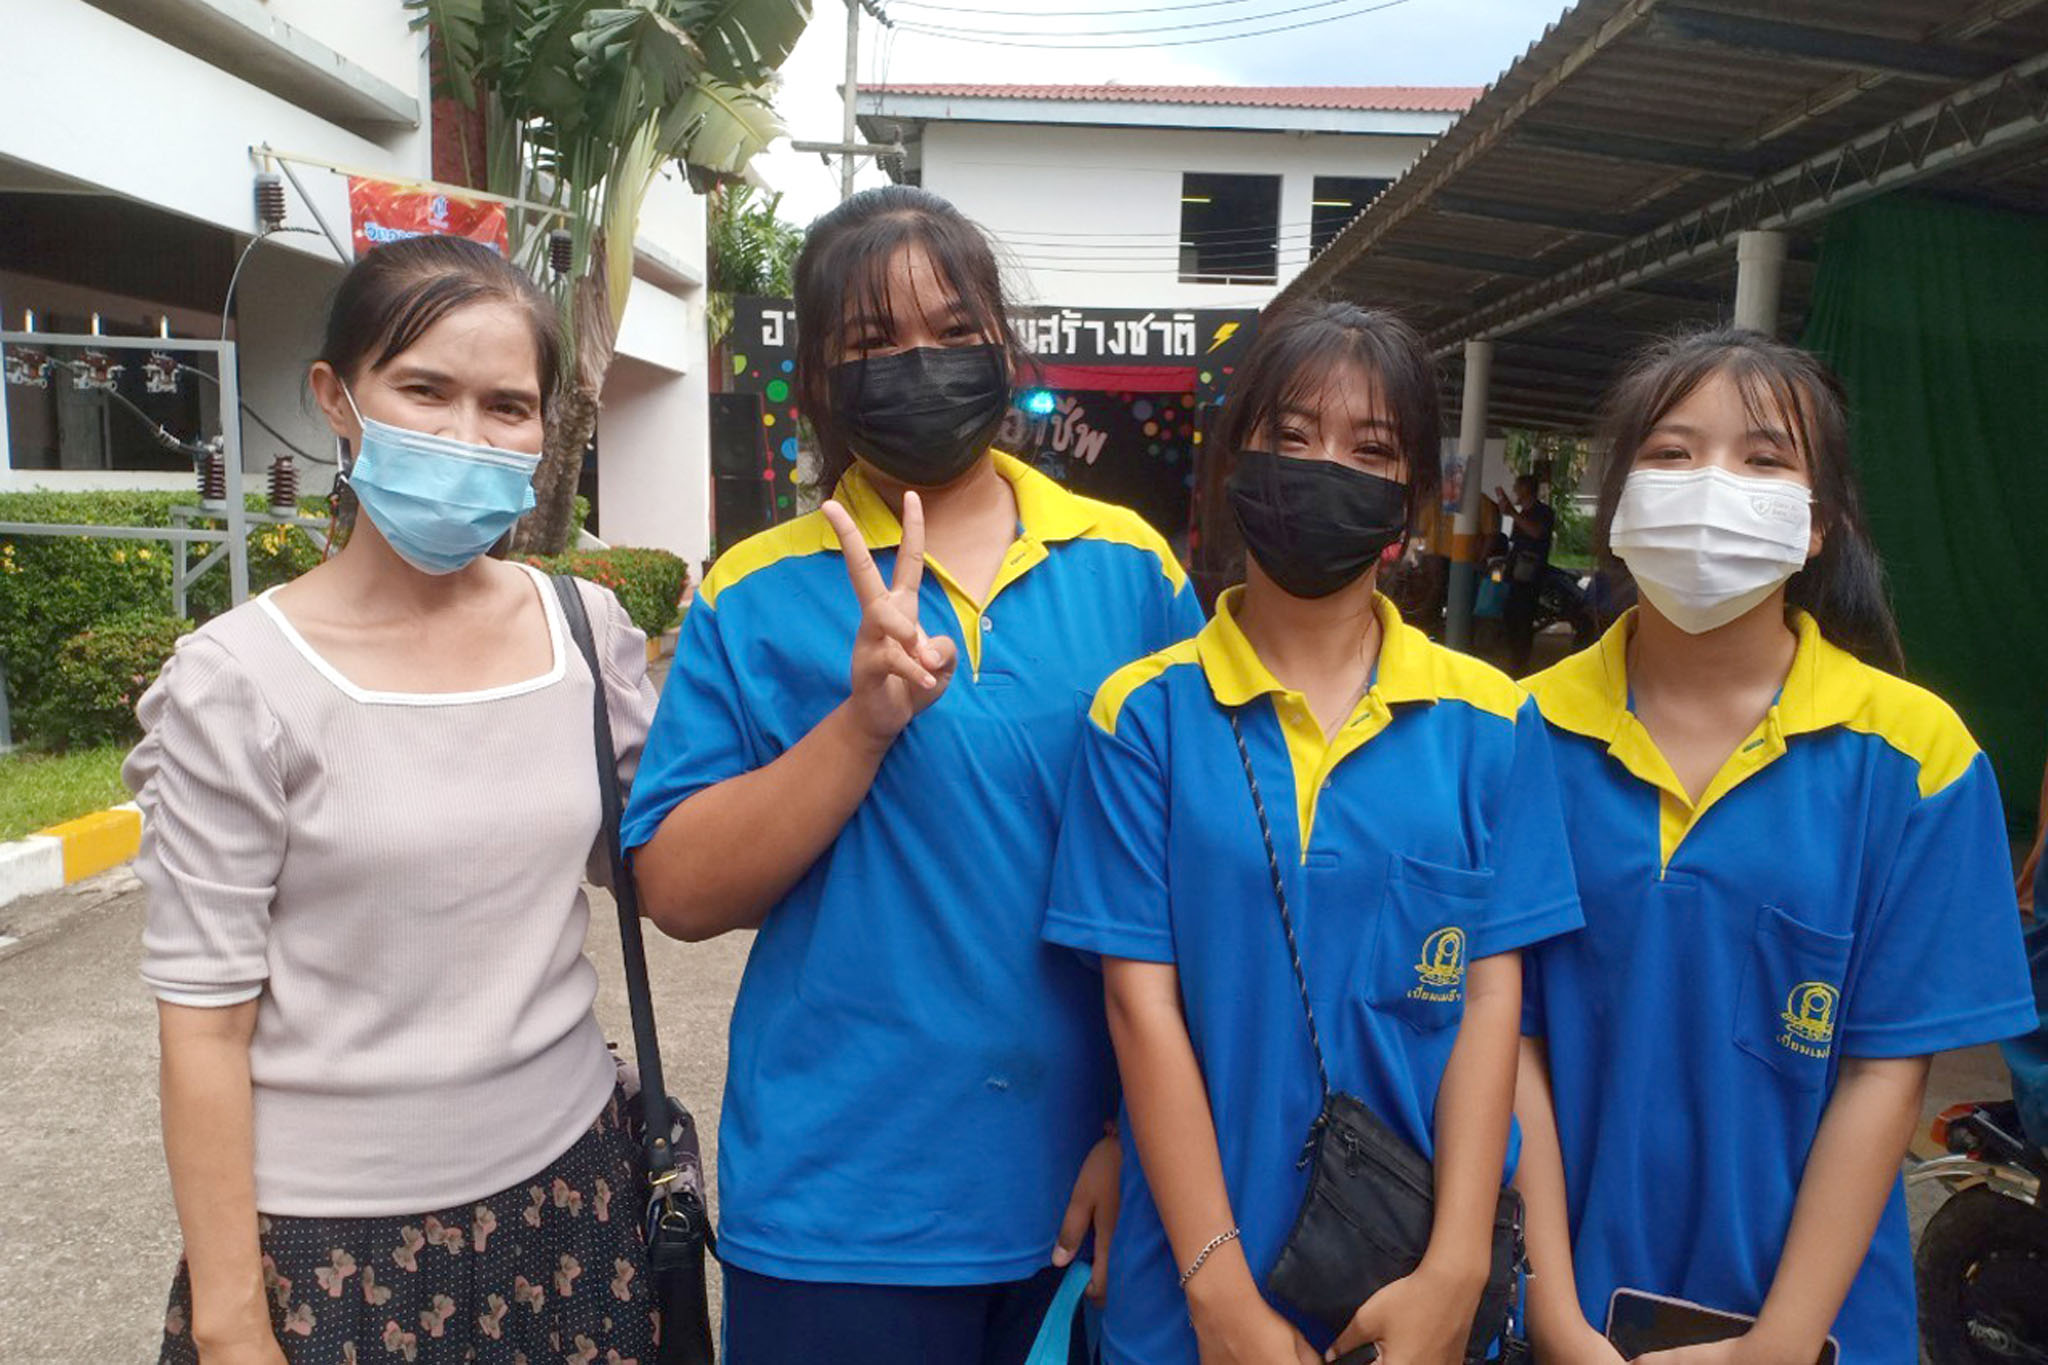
<point x="639" y="996"/>
<point x="1286" y="919"/>
<point x="1363" y="1174"/>
<point x="679" y="1235"/>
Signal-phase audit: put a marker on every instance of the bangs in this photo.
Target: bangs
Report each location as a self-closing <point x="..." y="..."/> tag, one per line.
<point x="1308" y="359"/>
<point x="842" y="277"/>
<point x="1346" y="381"/>
<point x="855" y="284"/>
<point x="1772" y="400"/>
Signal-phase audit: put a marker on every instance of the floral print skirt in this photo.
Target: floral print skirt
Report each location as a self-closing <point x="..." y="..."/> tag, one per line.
<point x="553" y="1269"/>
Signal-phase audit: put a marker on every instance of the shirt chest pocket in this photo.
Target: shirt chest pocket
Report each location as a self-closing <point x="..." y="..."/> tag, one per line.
<point x="1420" y="950"/>
<point x="1789" y="1006"/>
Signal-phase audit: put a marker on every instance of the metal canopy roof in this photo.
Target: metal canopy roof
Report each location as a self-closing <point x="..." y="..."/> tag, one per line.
<point x="1593" y="195"/>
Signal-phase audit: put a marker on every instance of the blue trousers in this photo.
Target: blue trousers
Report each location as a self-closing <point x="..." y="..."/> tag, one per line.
<point x="2028" y="1055"/>
<point x="769" y="1321"/>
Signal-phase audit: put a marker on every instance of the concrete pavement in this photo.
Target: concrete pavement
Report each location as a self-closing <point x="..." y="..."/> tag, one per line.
<point x="88" y="1237"/>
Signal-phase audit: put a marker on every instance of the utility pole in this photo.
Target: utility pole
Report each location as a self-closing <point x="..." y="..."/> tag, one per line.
<point x="847" y="149"/>
<point x="846" y="127"/>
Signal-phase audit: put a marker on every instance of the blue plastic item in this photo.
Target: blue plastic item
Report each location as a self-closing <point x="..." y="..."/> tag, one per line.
<point x="1056" y="1336"/>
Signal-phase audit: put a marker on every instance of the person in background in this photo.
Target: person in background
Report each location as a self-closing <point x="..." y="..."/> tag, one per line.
<point x="2028" y="1057"/>
<point x="393" y="1128"/>
<point x="861" y="753"/>
<point x="1796" y="884"/>
<point x="1414" y="822"/>
<point x="1529" y="523"/>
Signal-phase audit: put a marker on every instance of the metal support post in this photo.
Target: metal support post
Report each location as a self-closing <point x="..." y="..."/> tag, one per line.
<point x="231" y="456"/>
<point x="1759" y="267"/>
<point x="1463" y="585"/>
<point x="847" y="129"/>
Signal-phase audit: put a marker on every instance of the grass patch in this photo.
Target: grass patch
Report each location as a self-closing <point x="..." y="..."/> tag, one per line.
<point x="39" y="789"/>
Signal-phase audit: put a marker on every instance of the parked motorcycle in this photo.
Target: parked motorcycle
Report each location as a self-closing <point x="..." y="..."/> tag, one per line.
<point x="1982" y="1264"/>
<point x="1561" y="598"/>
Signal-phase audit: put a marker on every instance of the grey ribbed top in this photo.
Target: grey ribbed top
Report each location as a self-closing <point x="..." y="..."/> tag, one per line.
<point x="398" y="877"/>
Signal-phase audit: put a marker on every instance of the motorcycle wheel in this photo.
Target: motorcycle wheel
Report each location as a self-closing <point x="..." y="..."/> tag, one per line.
<point x="1982" y="1271"/>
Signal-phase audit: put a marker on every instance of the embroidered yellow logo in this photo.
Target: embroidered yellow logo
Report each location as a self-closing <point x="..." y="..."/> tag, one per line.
<point x="1809" y="1018"/>
<point x="1442" y="968"/>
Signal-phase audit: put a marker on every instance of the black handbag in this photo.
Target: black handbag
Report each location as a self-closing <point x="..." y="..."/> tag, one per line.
<point x="1366" y="1219"/>
<point x="679" y="1236"/>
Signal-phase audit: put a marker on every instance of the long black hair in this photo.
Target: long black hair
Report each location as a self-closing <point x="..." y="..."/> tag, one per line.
<point x="1290" y="363"/>
<point x="843" y="272"/>
<point x="390" y="297"/>
<point x="1843" y="585"/>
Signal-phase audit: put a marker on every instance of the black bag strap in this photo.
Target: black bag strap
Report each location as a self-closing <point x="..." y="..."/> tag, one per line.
<point x="639" y="998"/>
<point x="1280" y="895"/>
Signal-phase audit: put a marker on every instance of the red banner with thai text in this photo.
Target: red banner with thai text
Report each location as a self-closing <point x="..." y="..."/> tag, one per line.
<point x="381" y="212"/>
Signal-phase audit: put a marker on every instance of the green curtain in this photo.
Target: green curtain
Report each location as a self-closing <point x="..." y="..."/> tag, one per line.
<point x="1936" y="316"/>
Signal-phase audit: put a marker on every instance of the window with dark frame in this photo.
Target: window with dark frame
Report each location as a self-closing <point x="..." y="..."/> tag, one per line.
<point x="1229" y="228"/>
<point x="1337" y="200"/>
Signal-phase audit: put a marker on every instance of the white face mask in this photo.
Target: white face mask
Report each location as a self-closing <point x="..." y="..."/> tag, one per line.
<point x="1705" y="545"/>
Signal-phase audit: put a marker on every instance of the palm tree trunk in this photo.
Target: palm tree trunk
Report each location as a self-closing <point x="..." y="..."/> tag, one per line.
<point x="573" y="422"/>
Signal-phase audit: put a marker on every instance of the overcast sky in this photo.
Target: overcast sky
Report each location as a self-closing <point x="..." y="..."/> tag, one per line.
<point x="1410" y="42"/>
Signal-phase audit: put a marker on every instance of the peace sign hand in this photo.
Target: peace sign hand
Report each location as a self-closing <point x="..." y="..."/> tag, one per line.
<point x="897" y="669"/>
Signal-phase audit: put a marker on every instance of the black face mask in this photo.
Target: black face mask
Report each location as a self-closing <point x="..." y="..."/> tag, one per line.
<point x="922" y="416"/>
<point x="1313" y="525"/>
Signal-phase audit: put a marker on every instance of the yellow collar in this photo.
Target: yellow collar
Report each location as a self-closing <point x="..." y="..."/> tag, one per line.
<point x="1405" y="671"/>
<point x="1588" y="695"/>
<point x="1045" y="510"/>
<point x="1588" y="692"/>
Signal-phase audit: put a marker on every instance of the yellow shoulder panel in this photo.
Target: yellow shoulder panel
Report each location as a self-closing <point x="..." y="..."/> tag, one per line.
<point x="1478" y="684"/>
<point x="1910" y="719"/>
<point x="805" y="535"/>
<point x="1117" y="689"/>
<point x="1122" y="526"/>
<point x="1576" y="693"/>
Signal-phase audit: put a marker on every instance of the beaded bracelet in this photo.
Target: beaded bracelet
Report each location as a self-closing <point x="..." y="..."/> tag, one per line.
<point x="1201" y="1259"/>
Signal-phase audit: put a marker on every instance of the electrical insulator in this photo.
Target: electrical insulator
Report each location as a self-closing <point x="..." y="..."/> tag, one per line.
<point x="269" y="201"/>
<point x="213" y="480"/>
<point x="561" y="251"/>
<point x="284" y="486"/>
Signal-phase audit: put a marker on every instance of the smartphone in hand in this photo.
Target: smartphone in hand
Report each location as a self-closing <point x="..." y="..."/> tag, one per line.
<point x="1638" y="1323"/>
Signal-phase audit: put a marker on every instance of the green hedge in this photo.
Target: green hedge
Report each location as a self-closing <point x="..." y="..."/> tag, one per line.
<point x="51" y="588"/>
<point x="649" y="583"/>
<point x="97" y="678"/>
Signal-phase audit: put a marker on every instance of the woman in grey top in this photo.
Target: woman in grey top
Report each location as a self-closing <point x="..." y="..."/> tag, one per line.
<point x="390" y="1117"/>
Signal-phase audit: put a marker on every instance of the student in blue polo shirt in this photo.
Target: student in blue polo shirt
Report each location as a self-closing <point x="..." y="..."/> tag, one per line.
<point x="1415" y="828"/>
<point x="1796" y="885"/>
<point x="861" y="751"/>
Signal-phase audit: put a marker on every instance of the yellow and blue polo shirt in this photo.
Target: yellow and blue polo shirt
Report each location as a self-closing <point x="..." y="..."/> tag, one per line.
<point x="914" y="1077"/>
<point x="1842" y="887"/>
<point x="1425" y="833"/>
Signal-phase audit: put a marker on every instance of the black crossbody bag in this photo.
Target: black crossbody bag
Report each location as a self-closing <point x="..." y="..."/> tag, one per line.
<point x="678" y="1224"/>
<point x="1371" y="1202"/>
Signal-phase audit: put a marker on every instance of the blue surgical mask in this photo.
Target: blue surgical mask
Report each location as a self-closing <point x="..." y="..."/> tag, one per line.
<point x="437" y="501"/>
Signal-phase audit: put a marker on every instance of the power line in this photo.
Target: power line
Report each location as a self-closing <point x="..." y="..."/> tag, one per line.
<point x="1075" y="13"/>
<point x="1171" y="28"/>
<point x="1164" y="242"/>
<point x="996" y="38"/>
<point x="1246" y="272"/>
<point x="1057" y="237"/>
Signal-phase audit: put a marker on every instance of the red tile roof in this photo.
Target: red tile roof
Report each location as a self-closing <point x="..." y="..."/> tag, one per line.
<point x="1448" y="99"/>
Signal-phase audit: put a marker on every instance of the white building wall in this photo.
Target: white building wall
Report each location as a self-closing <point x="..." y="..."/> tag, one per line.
<point x="360" y="30"/>
<point x="1040" y="188"/>
<point x="653" y="432"/>
<point x="86" y="96"/>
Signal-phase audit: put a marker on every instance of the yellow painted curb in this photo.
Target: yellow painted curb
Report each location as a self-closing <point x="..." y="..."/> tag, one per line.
<point x="93" y="843"/>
